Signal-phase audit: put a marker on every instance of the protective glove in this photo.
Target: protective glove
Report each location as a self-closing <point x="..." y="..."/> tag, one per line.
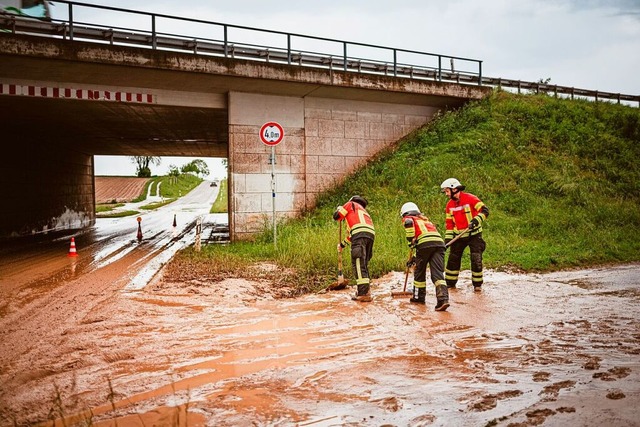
<point x="411" y="262"/>
<point x="474" y="223"/>
<point x="340" y="247"/>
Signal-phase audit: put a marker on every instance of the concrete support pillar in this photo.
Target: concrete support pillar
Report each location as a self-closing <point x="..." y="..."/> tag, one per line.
<point x="47" y="189"/>
<point x="249" y="164"/>
<point x="325" y="140"/>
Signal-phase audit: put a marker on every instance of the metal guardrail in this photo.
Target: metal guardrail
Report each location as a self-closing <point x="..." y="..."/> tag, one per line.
<point x="388" y="61"/>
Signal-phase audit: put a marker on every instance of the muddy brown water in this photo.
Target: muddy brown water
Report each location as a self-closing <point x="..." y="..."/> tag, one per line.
<point x="541" y="349"/>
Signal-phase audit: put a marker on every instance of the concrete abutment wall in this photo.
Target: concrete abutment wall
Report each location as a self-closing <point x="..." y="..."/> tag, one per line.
<point x="325" y="140"/>
<point x="48" y="189"/>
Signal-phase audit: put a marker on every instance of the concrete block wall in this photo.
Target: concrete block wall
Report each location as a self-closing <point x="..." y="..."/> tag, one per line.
<point x="48" y="190"/>
<point x="325" y="140"/>
<point x="342" y="135"/>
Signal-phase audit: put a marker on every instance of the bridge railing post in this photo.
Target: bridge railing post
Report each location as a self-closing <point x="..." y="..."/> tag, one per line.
<point x="439" y="68"/>
<point x="154" y="44"/>
<point x="480" y="73"/>
<point x="344" y="56"/>
<point x="70" y="21"/>
<point x="226" y="41"/>
<point x="395" y="62"/>
<point x="289" y="49"/>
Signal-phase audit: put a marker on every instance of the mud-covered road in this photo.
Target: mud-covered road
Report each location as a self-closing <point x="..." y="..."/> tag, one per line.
<point x="547" y="349"/>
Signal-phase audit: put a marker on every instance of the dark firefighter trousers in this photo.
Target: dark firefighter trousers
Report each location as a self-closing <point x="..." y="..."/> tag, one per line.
<point x="361" y="253"/>
<point x="434" y="257"/>
<point x="476" y="247"/>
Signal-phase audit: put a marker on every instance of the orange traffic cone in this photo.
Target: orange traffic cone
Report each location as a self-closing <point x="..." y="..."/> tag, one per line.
<point x="72" y="249"/>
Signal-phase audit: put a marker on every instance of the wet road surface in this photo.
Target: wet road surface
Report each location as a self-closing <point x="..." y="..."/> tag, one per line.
<point x="555" y="349"/>
<point x="40" y="261"/>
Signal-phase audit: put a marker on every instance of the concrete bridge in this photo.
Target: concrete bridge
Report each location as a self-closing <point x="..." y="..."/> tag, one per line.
<point x="63" y="101"/>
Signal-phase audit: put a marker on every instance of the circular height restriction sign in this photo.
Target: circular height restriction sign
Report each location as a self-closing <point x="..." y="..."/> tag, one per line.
<point x="271" y="133"/>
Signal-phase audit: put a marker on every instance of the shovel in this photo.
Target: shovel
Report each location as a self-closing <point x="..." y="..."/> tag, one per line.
<point x="404" y="292"/>
<point x="342" y="282"/>
<point x="456" y="238"/>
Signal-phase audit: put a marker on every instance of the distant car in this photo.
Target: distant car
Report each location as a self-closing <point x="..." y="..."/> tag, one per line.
<point x="213" y="184"/>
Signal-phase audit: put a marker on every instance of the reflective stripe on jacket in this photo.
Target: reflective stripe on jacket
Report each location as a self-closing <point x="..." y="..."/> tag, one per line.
<point x="357" y="218"/>
<point x="420" y="230"/>
<point x="459" y="213"/>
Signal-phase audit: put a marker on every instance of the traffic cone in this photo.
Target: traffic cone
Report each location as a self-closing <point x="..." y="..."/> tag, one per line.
<point x="72" y="249"/>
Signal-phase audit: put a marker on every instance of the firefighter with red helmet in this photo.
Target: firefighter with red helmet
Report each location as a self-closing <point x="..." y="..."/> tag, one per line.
<point x="360" y="235"/>
<point x="464" y="211"/>
<point x="425" y="238"/>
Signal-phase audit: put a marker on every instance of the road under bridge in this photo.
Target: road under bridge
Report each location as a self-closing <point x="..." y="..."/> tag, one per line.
<point x="65" y="101"/>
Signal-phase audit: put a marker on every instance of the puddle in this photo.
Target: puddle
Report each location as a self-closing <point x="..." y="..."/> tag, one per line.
<point x="527" y="350"/>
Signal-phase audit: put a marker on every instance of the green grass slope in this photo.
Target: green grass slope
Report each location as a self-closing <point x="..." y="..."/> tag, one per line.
<point x="561" y="179"/>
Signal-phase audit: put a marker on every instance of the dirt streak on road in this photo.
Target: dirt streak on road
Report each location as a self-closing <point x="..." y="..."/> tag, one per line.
<point x="555" y="349"/>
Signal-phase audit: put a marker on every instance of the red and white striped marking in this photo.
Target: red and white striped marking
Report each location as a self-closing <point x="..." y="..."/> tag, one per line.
<point x="70" y="93"/>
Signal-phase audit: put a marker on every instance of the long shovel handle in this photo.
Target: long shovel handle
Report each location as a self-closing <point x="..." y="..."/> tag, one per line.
<point x="340" y="253"/>
<point x="406" y="270"/>
<point x="456" y="238"/>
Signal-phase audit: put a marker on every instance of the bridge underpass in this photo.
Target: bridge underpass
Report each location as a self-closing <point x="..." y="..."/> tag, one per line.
<point x="68" y="101"/>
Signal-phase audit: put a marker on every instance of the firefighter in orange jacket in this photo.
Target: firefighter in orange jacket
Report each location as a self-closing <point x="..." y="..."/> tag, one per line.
<point x="464" y="210"/>
<point x="424" y="237"/>
<point x="360" y="234"/>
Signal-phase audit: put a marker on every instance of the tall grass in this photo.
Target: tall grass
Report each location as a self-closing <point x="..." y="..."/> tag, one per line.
<point x="561" y="179"/>
<point x="221" y="204"/>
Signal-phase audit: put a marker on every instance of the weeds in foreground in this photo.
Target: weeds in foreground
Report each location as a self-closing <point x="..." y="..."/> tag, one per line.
<point x="64" y="412"/>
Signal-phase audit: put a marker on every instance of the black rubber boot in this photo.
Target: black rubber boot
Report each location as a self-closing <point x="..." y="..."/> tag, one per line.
<point x="418" y="295"/>
<point x="442" y="298"/>
<point x="363" y="294"/>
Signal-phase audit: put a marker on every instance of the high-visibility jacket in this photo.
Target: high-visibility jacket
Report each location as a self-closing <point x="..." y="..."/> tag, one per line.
<point x="357" y="218"/>
<point x="420" y="230"/>
<point x="459" y="213"/>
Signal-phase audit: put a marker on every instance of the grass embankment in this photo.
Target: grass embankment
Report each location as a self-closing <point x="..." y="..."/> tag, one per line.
<point x="561" y="179"/>
<point x="221" y="205"/>
<point x="171" y="188"/>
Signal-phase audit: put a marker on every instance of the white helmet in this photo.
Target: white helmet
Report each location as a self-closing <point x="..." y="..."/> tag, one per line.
<point x="409" y="207"/>
<point x="451" y="183"/>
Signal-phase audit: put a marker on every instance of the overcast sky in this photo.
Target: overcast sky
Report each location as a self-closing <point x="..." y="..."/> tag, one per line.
<point x="588" y="44"/>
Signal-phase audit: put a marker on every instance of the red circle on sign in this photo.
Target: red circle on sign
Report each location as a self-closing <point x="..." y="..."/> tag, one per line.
<point x="271" y="133"/>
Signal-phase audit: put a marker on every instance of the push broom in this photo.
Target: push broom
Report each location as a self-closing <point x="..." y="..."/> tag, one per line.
<point x="404" y="292"/>
<point x="342" y="282"/>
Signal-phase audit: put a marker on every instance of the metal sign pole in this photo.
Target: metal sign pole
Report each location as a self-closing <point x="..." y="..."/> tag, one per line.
<point x="271" y="133"/>
<point x="273" y="190"/>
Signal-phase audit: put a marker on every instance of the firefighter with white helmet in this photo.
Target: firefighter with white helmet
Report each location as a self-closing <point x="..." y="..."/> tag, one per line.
<point x="425" y="238"/>
<point x="464" y="215"/>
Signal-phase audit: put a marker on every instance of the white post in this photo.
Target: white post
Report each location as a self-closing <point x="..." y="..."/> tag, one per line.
<point x="198" y="245"/>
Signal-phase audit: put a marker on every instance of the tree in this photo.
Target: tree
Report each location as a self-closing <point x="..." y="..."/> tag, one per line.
<point x="197" y="166"/>
<point x="173" y="170"/>
<point x="142" y="164"/>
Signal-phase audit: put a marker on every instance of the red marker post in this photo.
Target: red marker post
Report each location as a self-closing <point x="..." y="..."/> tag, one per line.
<point x="271" y="134"/>
<point x="139" y="229"/>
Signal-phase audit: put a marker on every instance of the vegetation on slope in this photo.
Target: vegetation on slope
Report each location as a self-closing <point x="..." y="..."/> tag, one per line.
<point x="171" y="187"/>
<point x="561" y="179"/>
<point x="221" y="203"/>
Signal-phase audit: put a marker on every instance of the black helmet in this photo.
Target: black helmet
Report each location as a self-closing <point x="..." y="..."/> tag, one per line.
<point x="359" y="200"/>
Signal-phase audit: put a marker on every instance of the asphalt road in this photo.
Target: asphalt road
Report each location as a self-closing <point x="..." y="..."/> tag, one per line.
<point x="41" y="259"/>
